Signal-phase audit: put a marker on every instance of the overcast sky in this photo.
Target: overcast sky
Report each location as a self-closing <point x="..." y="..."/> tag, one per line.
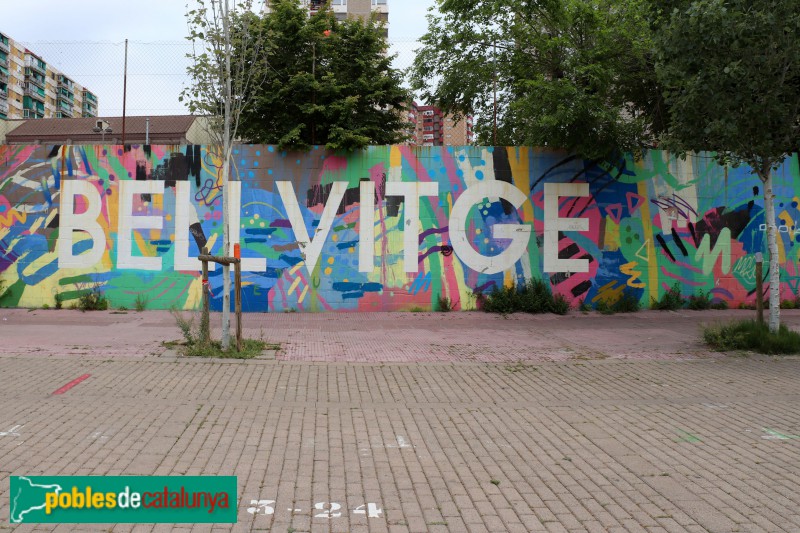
<point x="85" y="41"/>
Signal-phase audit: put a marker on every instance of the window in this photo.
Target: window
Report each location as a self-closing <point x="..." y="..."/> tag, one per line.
<point x="338" y="2"/>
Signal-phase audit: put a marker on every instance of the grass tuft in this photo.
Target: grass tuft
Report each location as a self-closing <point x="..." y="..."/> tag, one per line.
<point x="195" y="346"/>
<point x="140" y="304"/>
<point x="750" y="335"/>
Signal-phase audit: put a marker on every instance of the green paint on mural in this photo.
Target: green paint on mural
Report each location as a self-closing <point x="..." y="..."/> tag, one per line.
<point x="12" y="295"/>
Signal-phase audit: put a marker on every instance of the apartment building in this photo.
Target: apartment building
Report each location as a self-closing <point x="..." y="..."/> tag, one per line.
<point x="350" y="8"/>
<point x="30" y="88"/>
<point x="431" y="127"/>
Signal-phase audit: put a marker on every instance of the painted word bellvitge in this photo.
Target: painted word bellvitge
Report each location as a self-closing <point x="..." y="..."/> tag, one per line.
<point x="388" y="228"/>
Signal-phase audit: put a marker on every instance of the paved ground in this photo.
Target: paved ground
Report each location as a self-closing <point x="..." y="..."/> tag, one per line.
<point x="428" y="422"/>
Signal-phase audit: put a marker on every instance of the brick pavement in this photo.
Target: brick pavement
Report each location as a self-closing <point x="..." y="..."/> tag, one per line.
<point x="542" y="425"/>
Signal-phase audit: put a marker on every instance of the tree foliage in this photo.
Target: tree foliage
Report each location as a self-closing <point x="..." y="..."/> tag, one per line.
<point x="731" y="72"/>
<point x="209" y="23"/>
<point x="575" y="74"/>
<point x="328" y="82"/>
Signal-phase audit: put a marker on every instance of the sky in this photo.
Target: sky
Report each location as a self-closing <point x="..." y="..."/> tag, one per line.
<point x="86" y="42"/>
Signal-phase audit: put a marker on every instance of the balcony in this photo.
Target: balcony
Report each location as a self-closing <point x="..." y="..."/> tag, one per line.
<point x="35" y="93"/>
<point x="36" y="66"/>
<point x="5" y="47"/>
<point x="3" y="77"/>
<point x="33" y="80"/>
<point x="4" y="94"/>
<point x="89" y="97"/>
<point x="3" y="108"/>
<point x="32" y="113"/>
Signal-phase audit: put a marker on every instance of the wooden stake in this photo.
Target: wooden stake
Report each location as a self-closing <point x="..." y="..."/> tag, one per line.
<point x="204" y="319"/>
<point x="237" y="292"/>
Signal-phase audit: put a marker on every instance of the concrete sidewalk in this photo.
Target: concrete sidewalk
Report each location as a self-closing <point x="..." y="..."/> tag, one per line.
<point x="380" y="337"/>
<point x="448" y="422"/>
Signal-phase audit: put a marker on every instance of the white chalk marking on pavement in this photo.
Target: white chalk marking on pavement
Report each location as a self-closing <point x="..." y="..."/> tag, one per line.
<point x="401" y="443"/>
<point x="11" y="432"/>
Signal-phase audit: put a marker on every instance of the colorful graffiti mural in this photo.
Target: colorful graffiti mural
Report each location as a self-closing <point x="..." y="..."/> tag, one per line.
<point x="388" y="228"/>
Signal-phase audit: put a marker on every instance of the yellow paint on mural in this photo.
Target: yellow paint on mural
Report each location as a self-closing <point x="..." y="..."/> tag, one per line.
<point x="647" y="225"/>
<point x="611" y="237"/>
<point x="634" y="280"/>
<point x="520" y="172"/>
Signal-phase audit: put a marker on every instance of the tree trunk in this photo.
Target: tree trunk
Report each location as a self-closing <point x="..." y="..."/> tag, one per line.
<point x="226" y="149"/>
<point x="774" y="256"/>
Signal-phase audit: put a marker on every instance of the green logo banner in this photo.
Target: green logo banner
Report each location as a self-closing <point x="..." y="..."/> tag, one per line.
<point x="123" y="499"/>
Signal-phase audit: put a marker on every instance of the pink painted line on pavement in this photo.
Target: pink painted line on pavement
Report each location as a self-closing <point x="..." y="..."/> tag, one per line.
<point x="71" y="384"/>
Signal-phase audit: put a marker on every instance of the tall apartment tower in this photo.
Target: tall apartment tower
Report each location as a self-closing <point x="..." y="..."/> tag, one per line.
<point x="349" y="8"/>
<point x="32" y="89"/>
<point x="431" y="127"/>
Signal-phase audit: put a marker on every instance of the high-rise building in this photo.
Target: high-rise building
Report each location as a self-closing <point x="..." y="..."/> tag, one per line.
<point x="431" y="127"/>
<point x="32" y="89"/>
<point x="350" y="8"/>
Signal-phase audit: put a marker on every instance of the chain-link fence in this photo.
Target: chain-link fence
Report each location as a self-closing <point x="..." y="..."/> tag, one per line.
<point x="156" y="71"/>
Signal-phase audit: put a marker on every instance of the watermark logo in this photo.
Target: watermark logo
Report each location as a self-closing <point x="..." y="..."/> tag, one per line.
<point x="123" y="499"/>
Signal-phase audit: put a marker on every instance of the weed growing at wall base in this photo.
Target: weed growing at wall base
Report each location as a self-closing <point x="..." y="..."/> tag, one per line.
<point x="750" y="335"/>
<point x="533" y="297"/>
<point x="194" y="344"/>
<point x="670" y="301"/>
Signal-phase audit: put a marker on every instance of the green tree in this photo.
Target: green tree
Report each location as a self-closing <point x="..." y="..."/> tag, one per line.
<point x="328" y="82"/>
<point x="573" y="74"/>
<point x="221" y="89"/>
<point x="731" y="73"/>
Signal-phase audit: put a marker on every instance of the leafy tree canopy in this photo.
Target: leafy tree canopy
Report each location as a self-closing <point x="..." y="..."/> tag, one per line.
<point x="731" y="73"/>
<point x="328" y="82"/>
<point x="575" y="74"/>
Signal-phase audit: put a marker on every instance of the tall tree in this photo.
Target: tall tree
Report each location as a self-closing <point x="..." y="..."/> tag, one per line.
<point x="223" y="87"/>
<point x="328" y="82"/>
<point x="731" y="72"/>
<point x="574" y="74"/>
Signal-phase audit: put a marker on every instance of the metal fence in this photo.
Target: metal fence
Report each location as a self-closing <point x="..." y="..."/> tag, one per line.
<point x="156" y="71"/>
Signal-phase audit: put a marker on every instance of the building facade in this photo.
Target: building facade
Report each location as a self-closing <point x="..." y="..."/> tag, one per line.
<point x="431" y="127"/>
<point x="30" y="88"/>
<point x="350" y="8"/>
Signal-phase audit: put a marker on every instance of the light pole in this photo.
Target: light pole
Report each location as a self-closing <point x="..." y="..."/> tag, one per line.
<point x="102" y="127"/>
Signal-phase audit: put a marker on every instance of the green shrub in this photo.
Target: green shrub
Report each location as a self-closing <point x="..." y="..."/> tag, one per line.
<point x="670" y="301"/>
<point x="788" y="304"/>
<point x="560" y="305"/>
<point x="750" y="335"/>
<point x="532" y="297"/>
<point x="699" y="302"/>
<point x="444" y="304"/>
<point x="627" y="303"/>
<point x="59" y="298"/>
<point x="94" y="300"/>
<point x="720" y="305"/>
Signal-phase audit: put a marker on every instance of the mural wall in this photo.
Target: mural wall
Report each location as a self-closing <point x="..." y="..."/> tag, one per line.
<point x="389" y="228"/>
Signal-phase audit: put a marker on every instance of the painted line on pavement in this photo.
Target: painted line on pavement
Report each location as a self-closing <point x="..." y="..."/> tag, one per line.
<point x="71" y="384"/>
